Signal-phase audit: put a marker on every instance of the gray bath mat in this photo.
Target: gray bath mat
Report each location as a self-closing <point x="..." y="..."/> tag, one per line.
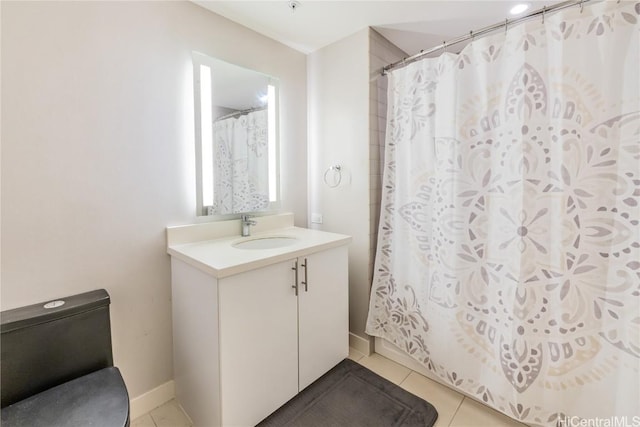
<point x="350" y="395"/>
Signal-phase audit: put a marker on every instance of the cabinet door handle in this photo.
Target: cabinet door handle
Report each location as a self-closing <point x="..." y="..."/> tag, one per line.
<point x="295" y="280"/>
<point x="306" y="285"/>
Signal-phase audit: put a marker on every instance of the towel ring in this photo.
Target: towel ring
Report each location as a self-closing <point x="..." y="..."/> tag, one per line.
<point x="337" y="169"/>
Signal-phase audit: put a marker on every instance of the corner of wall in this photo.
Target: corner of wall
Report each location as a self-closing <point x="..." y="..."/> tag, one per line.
<point x="381" y="53"/>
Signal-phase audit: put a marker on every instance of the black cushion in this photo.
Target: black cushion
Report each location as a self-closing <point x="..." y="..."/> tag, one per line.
<point x="97" y="399"/>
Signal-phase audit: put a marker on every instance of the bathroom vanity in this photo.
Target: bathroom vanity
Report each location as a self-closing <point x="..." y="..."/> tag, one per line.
<point x="255" y="319"/>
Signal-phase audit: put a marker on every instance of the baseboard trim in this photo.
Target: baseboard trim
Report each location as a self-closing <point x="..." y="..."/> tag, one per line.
<point x="152" y="399"/>
<point x="360" y="344"/>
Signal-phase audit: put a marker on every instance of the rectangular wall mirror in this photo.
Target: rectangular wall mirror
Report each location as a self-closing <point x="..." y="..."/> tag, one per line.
<point x="236" y="133"/>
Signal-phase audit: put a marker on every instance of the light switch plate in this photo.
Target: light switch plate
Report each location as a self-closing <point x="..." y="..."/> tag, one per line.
<point x="316" y="218"/>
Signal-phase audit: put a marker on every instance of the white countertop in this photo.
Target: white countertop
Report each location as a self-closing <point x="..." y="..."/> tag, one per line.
<point x="220" y="258"/>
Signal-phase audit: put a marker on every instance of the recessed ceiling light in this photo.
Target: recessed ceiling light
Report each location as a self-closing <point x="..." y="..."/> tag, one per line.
<point x="519" y="8"/>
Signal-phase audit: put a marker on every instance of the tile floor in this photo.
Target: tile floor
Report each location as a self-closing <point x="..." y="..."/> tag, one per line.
<point x="454" y="409"/>
<point x="167" y="415"/>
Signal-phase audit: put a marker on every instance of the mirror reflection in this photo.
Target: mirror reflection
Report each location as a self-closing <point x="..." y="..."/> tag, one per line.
<point x="236" y="138"/>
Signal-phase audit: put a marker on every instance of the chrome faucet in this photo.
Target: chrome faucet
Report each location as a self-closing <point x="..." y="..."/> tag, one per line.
<point x="246" y="223"/>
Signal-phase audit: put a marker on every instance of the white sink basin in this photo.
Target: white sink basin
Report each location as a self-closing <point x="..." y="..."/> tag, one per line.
<point x="270" y="242"/>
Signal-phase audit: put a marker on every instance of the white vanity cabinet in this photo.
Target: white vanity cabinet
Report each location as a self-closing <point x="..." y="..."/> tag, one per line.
<point x="274" y="343"/>
<point x="246" y="343"/>
<point x="258" y="343"/>
<point x="323" y="313"/>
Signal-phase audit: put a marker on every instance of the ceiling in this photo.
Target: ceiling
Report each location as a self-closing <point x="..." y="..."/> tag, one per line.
<point x="411" y="25"/>
<point x="234" y="87"/>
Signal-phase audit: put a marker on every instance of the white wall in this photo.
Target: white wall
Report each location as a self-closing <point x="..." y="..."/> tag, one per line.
<point x="347" y="122"/>
<point x="339" y="134"/>
<point x="98" y="154"/>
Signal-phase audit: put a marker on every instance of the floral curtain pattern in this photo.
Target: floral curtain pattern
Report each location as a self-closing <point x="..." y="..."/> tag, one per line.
<point x="508" y="260"/>
<point x="241" y="175"/>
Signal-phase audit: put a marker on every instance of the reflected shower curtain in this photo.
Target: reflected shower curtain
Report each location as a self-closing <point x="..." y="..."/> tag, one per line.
<point x="508" y="259"/>
<point x="240" y="163"/>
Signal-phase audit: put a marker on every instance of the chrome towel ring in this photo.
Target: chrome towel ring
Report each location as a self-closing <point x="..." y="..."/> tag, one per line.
<point x="337" y="176"/>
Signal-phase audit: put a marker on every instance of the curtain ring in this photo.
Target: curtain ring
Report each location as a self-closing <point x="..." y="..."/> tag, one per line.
<point x="544" y="10"/>
<point x="581" y="5"/>
<point x="444" y="46"/>
<point x="471" y="35"/>
<point x="337" y="169"/>
<point x="506" y="25"/>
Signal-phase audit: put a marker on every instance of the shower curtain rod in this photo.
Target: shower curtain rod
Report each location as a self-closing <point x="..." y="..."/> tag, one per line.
<point x="239" y="113"/>
<point x="483" y="31"/>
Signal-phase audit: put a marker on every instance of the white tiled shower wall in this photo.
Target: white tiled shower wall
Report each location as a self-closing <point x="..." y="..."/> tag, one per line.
<point x="381" y="52"/>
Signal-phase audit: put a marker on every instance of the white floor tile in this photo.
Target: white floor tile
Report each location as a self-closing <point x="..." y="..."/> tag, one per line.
<point x="474" y="414"/>
<point x="143" y="421"/>
<point x="170" y="415"/>
<point x="384" y="367"/>
<point x="445" y="400"/>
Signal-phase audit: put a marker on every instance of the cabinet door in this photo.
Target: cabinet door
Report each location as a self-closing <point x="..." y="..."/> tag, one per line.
<point x="258" y="343"/>
<point x="323" y="313"/>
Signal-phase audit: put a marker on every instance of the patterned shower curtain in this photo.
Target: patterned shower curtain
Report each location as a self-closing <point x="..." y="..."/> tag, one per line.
<point x="241" y="174"/>
<point x="508" y="259"/>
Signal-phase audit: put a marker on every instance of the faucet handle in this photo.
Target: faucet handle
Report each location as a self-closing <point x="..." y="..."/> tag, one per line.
<point x="246" y="223"/>
<point x="246" y="219"/>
